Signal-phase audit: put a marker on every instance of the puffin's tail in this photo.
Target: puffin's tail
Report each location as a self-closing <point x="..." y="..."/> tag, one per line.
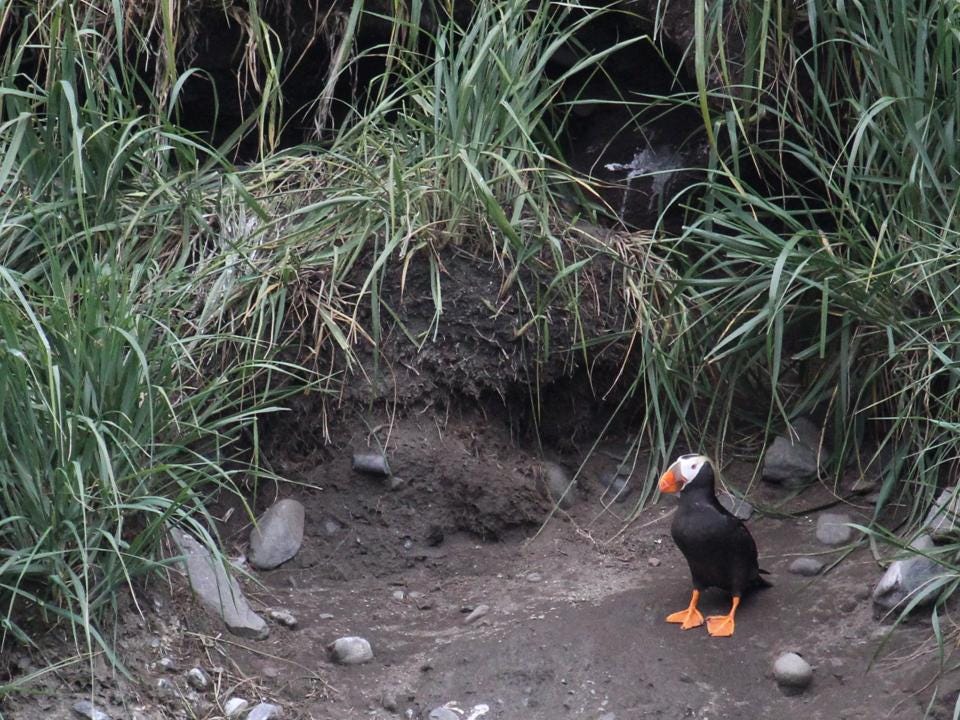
<point x="760" y="582"/>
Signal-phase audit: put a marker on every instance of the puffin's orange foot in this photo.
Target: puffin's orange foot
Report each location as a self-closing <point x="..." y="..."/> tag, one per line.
<point x="720" y="625"/>
<point x="690" y="618"/>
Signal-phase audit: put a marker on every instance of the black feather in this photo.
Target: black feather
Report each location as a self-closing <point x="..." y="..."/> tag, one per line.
<point x="717" y="545"/>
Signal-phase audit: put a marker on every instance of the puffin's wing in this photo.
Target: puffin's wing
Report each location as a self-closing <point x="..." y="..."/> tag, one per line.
<point x="741" y="541"/>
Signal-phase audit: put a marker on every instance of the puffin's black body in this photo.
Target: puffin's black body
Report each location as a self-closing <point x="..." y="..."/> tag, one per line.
<point x="718" y="547"/>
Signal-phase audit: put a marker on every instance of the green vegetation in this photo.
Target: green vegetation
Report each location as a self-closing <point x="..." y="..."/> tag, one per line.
<point x="150" y="287"/>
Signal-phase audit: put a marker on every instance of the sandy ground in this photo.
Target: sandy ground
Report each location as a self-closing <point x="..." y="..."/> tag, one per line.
<point x="575" y="623"/>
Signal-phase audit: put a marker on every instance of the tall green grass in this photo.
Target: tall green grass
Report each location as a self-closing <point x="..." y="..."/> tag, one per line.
<point x="133" y="370"/>
<point x="824" y="244"/>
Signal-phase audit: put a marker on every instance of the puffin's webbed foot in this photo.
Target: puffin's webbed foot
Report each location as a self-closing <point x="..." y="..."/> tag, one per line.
<point x="689" y="618"/>
<point x="723" y="625"/>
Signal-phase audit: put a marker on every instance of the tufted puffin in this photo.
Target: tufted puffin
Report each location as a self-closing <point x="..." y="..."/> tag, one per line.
<point x="718" y="547"/>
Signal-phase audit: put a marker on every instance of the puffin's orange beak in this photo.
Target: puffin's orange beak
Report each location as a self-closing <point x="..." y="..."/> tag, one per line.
<point x="668" y="482"/>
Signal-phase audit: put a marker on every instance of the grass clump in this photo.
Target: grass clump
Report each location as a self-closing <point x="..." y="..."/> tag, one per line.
<point x="128" y="402"/>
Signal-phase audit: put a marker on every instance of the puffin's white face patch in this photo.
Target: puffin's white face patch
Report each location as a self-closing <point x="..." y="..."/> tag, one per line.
<point x="689" y="466"/>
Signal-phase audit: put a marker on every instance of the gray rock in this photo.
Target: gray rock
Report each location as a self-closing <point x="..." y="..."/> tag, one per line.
<point x="905" y="578"/>
<point x="559" y="484"/>
<point x="534" y="577"/>
<point x="86" y="709"/>
<point x="265" y="711"/>
<point x="398" y="595"/>
<point x="198" y="679"/>
<point x="943" y="519"/>
<point x="833" y="529"/>
<point x="806" y="566"/>
<point x="791" y="460"/>
<point x="218" y="591"/>
<point x="350" y="650"/>
<point x="653" y="562"/>
<point x="371" y="463"/>
<point x="168" y="664"/>
<point x="284" y="617"/>
<point x="277" y="535"/>
<point x="235" y="707"/>
<point x="608" y="716"/>
<point x="166" y="688"/>
<point x="388" y="701"/>
<point x="331" y="527"/>
<point x="478" y="612"/>
<point x="443" y="713"/>
<point x="870" y="465"/>
<point x="618" y="486"/>
<point x="738" y="507"/>
<point x="792" y="672"/>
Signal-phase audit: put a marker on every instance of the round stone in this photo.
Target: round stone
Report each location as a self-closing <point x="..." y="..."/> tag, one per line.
<point x="235" y="707"/>
<point x="198" y="679"/>
<point x="806" y="566"/>
<point x="792" y="671"/>
<point x="351" y="650"/>
<point x="834" y="529"/>
<point x="442" y="713"/>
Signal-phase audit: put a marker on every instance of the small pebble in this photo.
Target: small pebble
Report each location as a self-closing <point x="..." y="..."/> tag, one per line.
<point x="168" y="664"/>
<point x="265" y="711"/>
<point x="832" y="529"/>
<point x="86" y="709"/>
<point x="653" y="562"/>
<point x="350" y="650"/>
<point x="442" y="713"/>
<point x="165" y="687"/>
<point x="608" y="716"/>
<point x="371" y="464"/>
<point x="388" y="700"/>
<point x="619" y="488"/>
<point x="806" y="566"/>
<point x="478" y="612"/>
<point x="283" y="617"/>
<point x="534" y="577"/>
<point x="235" y="707"/>
<point x="395" y="483"/>
<point x="325" y="616"/>
<point x="198" y="679"/>
<point x="398" y="595"/>
<point x="792" y="672"/>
